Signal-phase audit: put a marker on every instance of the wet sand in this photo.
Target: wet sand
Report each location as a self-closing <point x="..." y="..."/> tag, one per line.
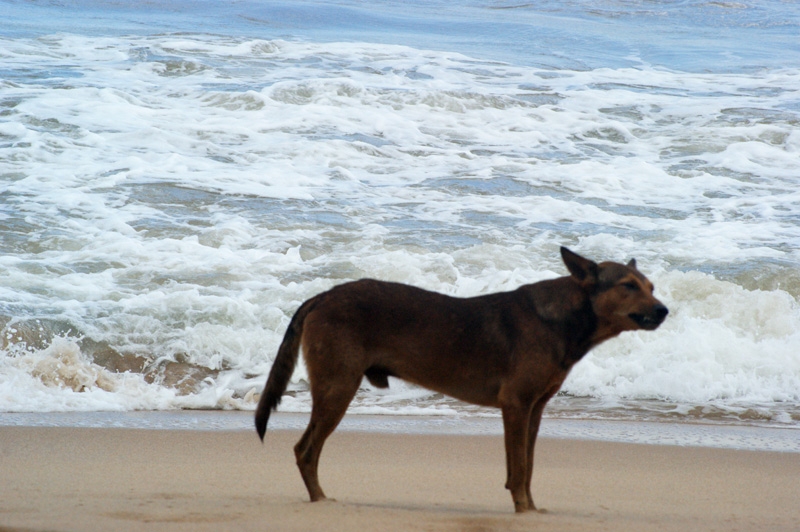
<point x="86" y="479"/>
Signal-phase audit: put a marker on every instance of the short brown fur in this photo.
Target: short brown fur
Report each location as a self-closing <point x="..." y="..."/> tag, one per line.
<point x="510" y="350"/>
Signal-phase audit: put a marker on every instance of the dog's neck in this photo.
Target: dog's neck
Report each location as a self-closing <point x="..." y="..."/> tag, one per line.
<point x="605" y="331"/>
<point x="565" y="305"/>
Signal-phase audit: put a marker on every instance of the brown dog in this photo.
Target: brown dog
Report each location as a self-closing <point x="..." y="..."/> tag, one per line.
<point x="510" y="350"/>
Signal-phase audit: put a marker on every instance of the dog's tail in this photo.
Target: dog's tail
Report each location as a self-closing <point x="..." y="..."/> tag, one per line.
<point x="282" y="368"/>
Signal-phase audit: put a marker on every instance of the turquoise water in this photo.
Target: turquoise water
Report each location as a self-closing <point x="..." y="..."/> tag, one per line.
<point x="175" y="179"/>
<point x="693" y="36"/>
<point x="649" y="433"/>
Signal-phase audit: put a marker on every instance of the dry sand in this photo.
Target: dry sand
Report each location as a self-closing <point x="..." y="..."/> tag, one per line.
<point x="84" y="479"/>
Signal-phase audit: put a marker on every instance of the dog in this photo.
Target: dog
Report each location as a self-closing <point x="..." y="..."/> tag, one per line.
<point x="510" y="350"/>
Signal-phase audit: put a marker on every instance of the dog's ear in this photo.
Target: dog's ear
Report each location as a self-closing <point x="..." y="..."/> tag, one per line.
<point x="632" y="264"/>
<point x="582" y="269"/>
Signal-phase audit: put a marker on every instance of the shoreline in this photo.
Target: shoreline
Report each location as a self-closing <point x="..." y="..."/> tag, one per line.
<point x="676" y="433"/>
<point x="66" y="478"/>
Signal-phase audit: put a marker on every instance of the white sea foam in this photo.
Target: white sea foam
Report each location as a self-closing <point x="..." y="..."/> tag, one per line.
<point x="169" y="201"/>
<point x="721" y="344"/>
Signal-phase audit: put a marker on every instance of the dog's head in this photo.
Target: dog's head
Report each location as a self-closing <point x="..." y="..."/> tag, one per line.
<point x="622" y="297"/>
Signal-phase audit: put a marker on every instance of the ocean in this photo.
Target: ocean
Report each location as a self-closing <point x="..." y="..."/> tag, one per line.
<point x="177" y="177"/>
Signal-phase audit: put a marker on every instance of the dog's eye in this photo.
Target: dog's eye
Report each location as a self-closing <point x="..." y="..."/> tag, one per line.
<point x="631" y="286"/>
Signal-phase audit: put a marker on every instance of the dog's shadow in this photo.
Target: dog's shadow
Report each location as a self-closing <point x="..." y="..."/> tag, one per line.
<point x="433" y="508"/>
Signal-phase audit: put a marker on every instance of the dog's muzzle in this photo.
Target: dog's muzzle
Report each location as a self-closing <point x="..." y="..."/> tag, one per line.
<point x="652" y="319"/>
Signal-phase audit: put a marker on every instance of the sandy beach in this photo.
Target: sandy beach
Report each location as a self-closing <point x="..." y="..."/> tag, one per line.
<point x="86" y="479"/>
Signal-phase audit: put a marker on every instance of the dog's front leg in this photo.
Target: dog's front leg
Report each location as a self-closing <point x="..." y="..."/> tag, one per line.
<point x="516" y="424"/>
<point x="533" y="432"/>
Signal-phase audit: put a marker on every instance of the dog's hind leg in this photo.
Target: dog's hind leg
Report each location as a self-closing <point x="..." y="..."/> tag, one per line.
<point x="329" y="403"/>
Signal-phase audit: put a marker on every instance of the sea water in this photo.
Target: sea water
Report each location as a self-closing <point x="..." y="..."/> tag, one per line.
<point x="177" y="177"/>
